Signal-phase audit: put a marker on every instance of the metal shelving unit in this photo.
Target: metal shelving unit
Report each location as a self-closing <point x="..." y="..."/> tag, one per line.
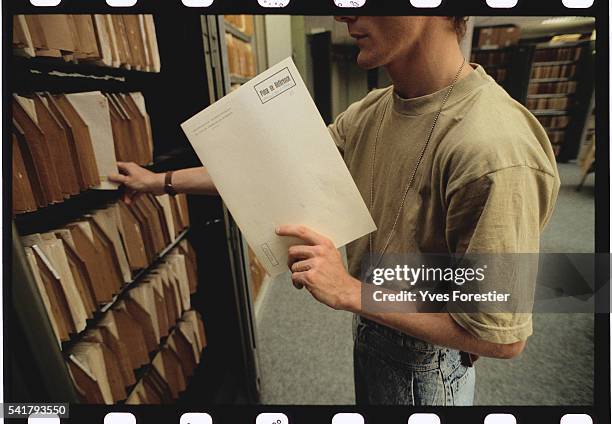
<point x="239" y="246"/>
<point x="228" y="28"/>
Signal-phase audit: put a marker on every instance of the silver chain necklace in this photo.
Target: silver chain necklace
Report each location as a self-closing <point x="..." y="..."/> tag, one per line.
<point x="412" y="177"/>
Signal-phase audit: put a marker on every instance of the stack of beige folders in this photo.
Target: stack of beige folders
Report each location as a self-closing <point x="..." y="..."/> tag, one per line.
<point x="126" y="41"/>
<point x="152" y="329"/>
<point x="103" y="297"/>
<point x="64" y="144"/>
<point x="83" y="265"/>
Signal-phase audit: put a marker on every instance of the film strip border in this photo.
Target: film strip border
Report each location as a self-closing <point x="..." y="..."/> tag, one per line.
<point x="598" y="413"/>
<point x="314" y="7"/>
<point x="331" y="415"/>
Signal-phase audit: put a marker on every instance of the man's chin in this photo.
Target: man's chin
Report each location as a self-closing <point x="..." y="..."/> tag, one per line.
<point x="366" y="61"/>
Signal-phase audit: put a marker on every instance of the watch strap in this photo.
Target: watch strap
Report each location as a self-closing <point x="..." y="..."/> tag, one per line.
<point x="168" y="187"/>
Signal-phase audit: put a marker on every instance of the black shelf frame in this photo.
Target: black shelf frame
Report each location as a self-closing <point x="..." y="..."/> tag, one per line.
<point x="561" y="79"/>
<point x="548" y="95"/>
<point x="551" y="112"/>
<point x="554" y="62"/>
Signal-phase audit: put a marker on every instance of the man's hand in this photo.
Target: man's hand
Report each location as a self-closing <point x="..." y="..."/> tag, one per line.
<point x="318" y="266"/>
<point x="137" y="181"/>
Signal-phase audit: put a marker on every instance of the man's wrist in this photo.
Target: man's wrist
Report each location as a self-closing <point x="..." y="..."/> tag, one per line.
<point x="157" y="184"/>
<point x="352" y="298"/>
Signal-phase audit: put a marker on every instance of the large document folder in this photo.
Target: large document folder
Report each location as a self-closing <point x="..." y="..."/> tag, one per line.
<point x="274" y="162"/>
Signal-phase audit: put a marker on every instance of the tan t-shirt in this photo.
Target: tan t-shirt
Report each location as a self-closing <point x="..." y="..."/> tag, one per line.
<point x="488" y="181"/>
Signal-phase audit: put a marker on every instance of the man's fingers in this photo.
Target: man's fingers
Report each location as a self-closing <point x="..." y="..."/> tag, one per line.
<point x="301" y="266"/>
<point x="303" y="233"/>
<point x="118" y="178"/>
<point x="297" y="253"/>
<point x="124" y="167"/>
<point x="300" y="278"/>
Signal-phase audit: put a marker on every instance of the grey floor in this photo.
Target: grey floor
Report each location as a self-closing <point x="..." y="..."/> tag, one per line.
<point x="305" y="349"/>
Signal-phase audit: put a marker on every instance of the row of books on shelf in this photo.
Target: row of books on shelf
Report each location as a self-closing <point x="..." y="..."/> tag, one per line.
<point x="80" y="267"/>
<point x="565" y="87"/>
<point x="554" y="71"/>
<point x="554" y="103"/>
<point x="554" y="122"/>
<point x="173" y="364"/>
<point x="243" y="23"/>
<point x="557" y="54"/>
<point x="102" y="366"/>
<point x="498" y="37"/>
<point x="491" y="58"/>
<point x="241" y="58"/>
<point x="63" y="144"/>
<point x="127" y="41"/>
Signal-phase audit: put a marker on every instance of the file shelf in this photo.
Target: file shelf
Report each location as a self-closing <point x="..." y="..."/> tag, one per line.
<point x="546" y="78"/>
<point x="119" y="41"/>
<point x="241" y="67"/>
<point x="555" y="88"/>
<point x="240" y="48"/>
<point x="121" y="295"/>
<point x="41" y="363"/>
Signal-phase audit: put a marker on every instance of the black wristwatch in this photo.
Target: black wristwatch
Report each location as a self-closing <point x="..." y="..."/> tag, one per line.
<point x="168" y="187"/>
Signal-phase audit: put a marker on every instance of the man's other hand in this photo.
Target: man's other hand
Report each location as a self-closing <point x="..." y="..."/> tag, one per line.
<point x="318" y="266"/>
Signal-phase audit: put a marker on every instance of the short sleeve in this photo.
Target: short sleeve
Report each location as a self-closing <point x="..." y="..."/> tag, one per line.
<point x="502" y="212"/>
<point x="339" y="130"/>
<point x="348" y="126"/>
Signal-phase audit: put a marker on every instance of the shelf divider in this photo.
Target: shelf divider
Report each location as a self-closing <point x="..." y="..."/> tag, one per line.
<point x="237" y="33"/>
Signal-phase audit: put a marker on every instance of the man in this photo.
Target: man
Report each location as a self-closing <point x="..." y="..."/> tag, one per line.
<point x="448" y="163"/>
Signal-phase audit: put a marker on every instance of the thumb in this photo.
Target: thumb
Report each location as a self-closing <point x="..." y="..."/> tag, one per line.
<point x="118" y="178"/>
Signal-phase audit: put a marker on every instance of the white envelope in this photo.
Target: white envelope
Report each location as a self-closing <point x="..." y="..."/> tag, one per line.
<point x="274" y="162"/>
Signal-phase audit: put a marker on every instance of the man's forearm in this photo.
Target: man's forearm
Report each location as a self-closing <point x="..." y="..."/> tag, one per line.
<point x="441" y="329"/>
<point x="436" y="328"/>
<point x="193" y="181"/>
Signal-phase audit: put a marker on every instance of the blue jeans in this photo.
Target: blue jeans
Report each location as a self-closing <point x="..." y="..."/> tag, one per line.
<point x="392" y="368"/>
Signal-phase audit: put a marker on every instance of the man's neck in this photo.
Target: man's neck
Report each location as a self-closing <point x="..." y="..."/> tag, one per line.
<point x="424" y="71"/>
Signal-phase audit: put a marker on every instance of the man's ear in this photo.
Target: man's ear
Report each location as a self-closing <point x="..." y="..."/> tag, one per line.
<point x="459" y="25"/>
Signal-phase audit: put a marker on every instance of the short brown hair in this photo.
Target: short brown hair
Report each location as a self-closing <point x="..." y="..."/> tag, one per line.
<point x="460" y="25"/>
